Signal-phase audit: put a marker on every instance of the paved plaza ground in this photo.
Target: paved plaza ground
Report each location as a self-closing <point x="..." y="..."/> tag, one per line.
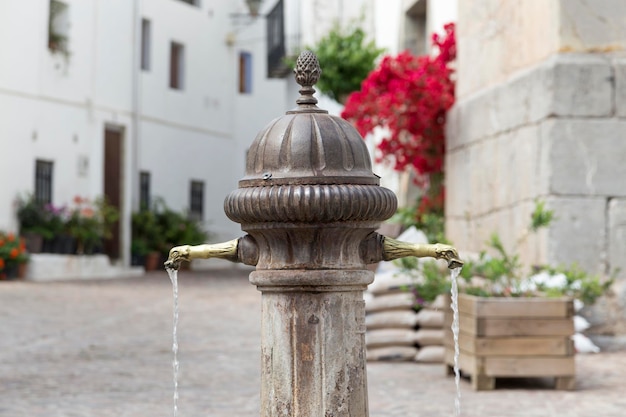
<point x="102" y="348"/>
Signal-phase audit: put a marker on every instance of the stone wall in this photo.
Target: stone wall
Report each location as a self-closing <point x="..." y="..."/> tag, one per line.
<point x="497" y="38"/>
<point x="557" y="132"/>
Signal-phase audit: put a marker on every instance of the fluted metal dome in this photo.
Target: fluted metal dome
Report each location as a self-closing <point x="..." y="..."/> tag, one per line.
<point x="308" y="167"/>
<point x="307" y="145"/>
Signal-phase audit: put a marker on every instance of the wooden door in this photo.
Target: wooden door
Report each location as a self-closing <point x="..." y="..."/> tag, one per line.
<point x="112" y="185"/>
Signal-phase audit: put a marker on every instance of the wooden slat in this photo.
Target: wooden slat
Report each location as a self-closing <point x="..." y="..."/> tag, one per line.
<point x="529" y="367"/>
<point x="512" y="346"/>
<point x="512" y="326"/>
<point x="513" y="366"/>
<point x="525" y="327"/>
<point x="484" y="370"/>
<point x="514" y="307"/>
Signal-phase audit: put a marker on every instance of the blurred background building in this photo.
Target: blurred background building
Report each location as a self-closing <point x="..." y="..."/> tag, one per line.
<point x="135" y="100"/>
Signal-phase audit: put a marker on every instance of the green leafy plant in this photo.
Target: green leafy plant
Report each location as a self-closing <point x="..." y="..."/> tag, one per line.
<point x="346" y="58"/>
<point x="501" y="273"/>
<point x="37" y="218"/>
<point x="146" y="233"/>
<point x="159" y="228"/>
<point x="576" y="283"/>
<point x="429" y="281"/>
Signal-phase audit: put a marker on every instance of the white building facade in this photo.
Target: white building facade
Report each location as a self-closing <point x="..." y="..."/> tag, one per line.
<point x="131" y="100"/>
<point x="139" y="99"/>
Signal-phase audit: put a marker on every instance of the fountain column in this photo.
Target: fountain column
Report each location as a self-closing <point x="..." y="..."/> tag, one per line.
<point x="310" y="204"/>
<point x="309" y="200"/>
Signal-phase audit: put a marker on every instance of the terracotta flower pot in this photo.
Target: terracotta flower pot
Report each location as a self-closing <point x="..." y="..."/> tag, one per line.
<point x="152" y="261"/>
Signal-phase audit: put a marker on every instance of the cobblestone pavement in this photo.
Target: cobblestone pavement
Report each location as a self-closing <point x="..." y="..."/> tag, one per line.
<point x="102" y="348"/>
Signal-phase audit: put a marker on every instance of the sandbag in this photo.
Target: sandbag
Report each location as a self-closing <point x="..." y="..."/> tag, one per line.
<point x="430" y="354"/>
<point x="402" y="301"/>
<point x="390" y="337"/>
<point x="398" y="319"/>
<point x="440" y="303"/>
<point x="429" y="337"/>
<point x="393" y="353"/>
<point x="430" y="318"/>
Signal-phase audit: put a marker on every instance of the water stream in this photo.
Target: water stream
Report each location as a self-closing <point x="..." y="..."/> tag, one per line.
<point x="454" y="274"/>
<point x="173" y="273"/>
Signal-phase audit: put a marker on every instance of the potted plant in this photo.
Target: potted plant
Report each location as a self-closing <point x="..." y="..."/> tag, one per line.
<point x="13" y="256"/>
<point x="157" y="229"/>
<point x="147" y="239"/>
<point x="90" y="222"/>
<point x="178" y="228"/>
<point x="34" y="223"/>
<point x="514" y="323"/>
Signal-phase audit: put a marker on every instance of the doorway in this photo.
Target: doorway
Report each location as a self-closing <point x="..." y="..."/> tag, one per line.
<point x="113" y="142"/>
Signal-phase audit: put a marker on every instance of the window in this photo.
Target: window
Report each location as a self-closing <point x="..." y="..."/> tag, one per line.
<point x="144" y="190"/>
<point x="145" y="44"/>
<point x="43" y="181"/>
<point x="276" y="42"/>
<point x="177" y="65"/>
<point x="415" y="31"/>
<point x="196" y="200"/>
<point x="245" y="72"/>
<point x="58" y="27"/>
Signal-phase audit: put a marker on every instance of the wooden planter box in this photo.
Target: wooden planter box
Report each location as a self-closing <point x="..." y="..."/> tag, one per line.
<point x="513" y="337"/>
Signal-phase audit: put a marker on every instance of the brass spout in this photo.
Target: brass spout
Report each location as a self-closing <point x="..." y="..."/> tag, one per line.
<point x="394" y="249"/>
<point x="226" y="250"/>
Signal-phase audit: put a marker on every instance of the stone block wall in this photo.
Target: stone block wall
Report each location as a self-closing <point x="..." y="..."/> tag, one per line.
<point x="497" y="38"/>
<point x="555" y="131"/>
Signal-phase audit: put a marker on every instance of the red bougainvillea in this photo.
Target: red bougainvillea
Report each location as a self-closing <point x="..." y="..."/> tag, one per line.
<point x="408" y="96"/>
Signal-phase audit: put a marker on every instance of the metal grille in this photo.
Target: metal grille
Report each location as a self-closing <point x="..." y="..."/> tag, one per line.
<point x="276" y="42"/>
<point x="43" y="181"/>
<point x="196" y="200"/>
<point x="144" y="190"/>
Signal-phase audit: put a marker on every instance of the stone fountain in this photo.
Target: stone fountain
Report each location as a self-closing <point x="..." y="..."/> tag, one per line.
<point x="310" y="205"/>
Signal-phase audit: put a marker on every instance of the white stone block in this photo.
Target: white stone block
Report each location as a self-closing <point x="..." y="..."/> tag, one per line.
<point x="596" y="25"/>
<point x="564" y="85"/>
<point x="582" y="85"/>
<point x="617" y="234"/>
<point x="586" y="156"/>
<point x="578" y="234"/>
<point x="497" y="38"/>
<point x="525" y="98"/>
<point x="459" y="174"/>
